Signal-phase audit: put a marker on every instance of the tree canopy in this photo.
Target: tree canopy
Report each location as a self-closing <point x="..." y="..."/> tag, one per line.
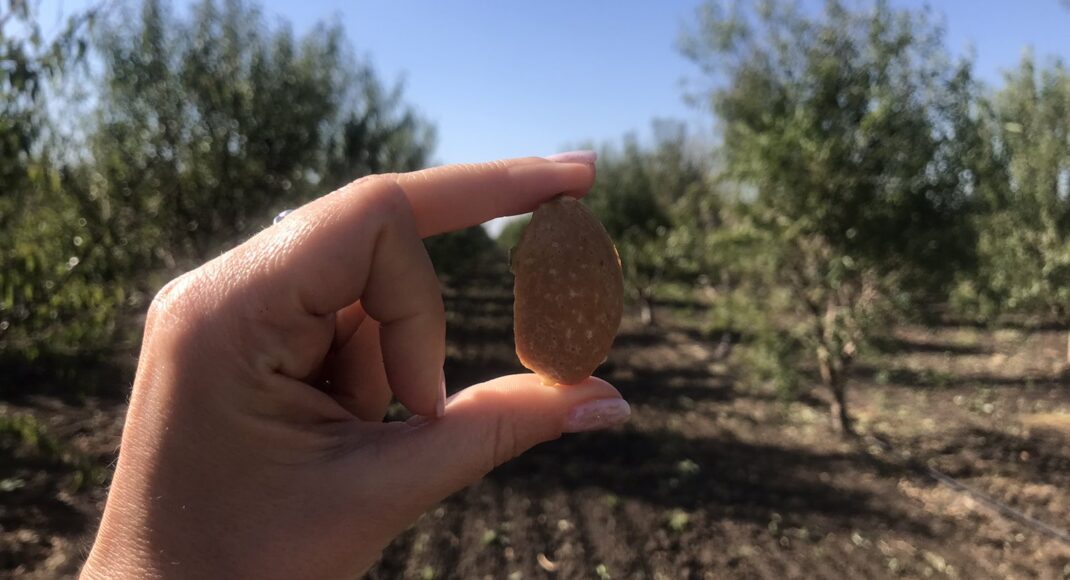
<point x="643" y="195"/>
<point x="203" y="126"/>
<point x="841" y="132"/>
<point x="1024" y="222"/>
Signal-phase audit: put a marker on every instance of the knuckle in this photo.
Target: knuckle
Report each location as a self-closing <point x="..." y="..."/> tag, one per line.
<point x="384" y="196"/>
<point x="390" y="195"/>
<point x="505" y="445"/>
<point x="168" y="300"/>
<point x="177" y="303"/>
<point x="373" y="179"/>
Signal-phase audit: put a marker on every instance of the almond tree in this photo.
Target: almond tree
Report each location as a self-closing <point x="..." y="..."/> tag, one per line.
<point x="640" y="197"/>
<point x="47" y="299"/>
<point x="211" y="123"/>
<point x="1024" y="224"/>
<point x="840" y="131"/>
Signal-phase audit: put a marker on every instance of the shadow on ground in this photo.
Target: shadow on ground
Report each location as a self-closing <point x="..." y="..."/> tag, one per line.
<point x="724" y="477"/>
<point x="927" y="379"/>
<point x="71" y="378"/>
<point x="898" y="345"/>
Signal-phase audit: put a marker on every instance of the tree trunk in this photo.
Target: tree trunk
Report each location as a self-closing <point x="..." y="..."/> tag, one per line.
<point x="1068" y="348"/>
<point x="646" y="309"/>
<point x="836" y="381"/>
<point x="839" y="411"/>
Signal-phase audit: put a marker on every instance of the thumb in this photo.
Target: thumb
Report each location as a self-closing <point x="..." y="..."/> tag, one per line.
<point x="488" y="424"/>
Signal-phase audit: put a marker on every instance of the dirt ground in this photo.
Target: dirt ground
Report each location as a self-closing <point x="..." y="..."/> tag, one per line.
<point x="710" y="479"/>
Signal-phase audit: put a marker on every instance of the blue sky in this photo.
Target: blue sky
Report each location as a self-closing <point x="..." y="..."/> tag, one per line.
<point x="503" y="79"/>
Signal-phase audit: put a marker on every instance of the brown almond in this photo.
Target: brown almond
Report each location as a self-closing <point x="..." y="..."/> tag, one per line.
<point x="568" y="292"/>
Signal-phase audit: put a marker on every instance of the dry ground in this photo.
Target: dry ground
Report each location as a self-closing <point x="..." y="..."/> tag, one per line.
<point x="709" y="480"/>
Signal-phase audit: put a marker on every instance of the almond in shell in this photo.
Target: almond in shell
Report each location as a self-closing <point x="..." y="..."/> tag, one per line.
<point x="568" y="292"/>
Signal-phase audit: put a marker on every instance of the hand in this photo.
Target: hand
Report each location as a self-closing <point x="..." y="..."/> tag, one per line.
<point x="237" y="461"/>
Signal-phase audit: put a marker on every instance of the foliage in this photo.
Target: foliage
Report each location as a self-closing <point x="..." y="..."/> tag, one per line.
<point x="461" y="254"/>
<point x="638" y="194"/>
<point x="47" y="294"/>
<point x="210" y="126"/>
<point x="840" y="133"/>
<point x="1024" y="223"/>
<point x="767" y="356"/>
<point x="204" y="126"/>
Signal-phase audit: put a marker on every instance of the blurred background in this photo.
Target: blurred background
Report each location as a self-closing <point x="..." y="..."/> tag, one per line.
<point x="844" y="227"/>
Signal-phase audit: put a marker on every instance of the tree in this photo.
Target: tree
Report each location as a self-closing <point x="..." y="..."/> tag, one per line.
<point x="1024" y="223"/>
<point x="840" y="132"/>
<point x="209" y="125"/>
<point x="459" y="255"/>
<point x="48" y="298"/>
<point x="638" y="194"/>
<point x="204" y="126"/>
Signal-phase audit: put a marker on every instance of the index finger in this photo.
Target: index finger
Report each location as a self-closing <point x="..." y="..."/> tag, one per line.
<point x="360" y="243"/>
<point x="454" y="197"/>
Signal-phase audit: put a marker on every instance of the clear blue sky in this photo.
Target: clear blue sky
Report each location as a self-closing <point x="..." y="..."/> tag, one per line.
<point x="502" y="79"/>
<point x="516" y="78"/>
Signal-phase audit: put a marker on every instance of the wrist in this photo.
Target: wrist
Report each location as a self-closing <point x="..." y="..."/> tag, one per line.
<point x="117" y="557"/>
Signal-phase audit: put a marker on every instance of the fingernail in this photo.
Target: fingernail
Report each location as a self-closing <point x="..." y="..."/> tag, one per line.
<point x="597" y="414"/>
<point x="440" y="405"/>
<point x="583" y="156"/>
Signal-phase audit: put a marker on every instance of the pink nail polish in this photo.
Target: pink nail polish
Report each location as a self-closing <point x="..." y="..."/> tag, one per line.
<point x="440" y="405"/>
<point x="583" y="156"/>
<point x="597" y="414"/>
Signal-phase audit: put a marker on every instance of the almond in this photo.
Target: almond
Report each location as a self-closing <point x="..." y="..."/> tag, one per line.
<point x="568" y="292"/>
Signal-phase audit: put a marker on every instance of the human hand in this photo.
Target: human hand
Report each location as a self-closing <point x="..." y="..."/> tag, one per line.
<point x="254" y="444"/>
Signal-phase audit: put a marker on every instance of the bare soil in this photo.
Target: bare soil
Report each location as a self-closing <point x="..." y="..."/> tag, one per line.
<point x="710" y="479"/>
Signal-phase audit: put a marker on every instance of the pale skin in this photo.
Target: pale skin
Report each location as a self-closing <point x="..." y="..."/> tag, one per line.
<point x="254" y="444"/>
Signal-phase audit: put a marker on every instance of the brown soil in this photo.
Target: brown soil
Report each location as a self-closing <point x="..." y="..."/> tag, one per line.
<point x="710" y="479"/>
